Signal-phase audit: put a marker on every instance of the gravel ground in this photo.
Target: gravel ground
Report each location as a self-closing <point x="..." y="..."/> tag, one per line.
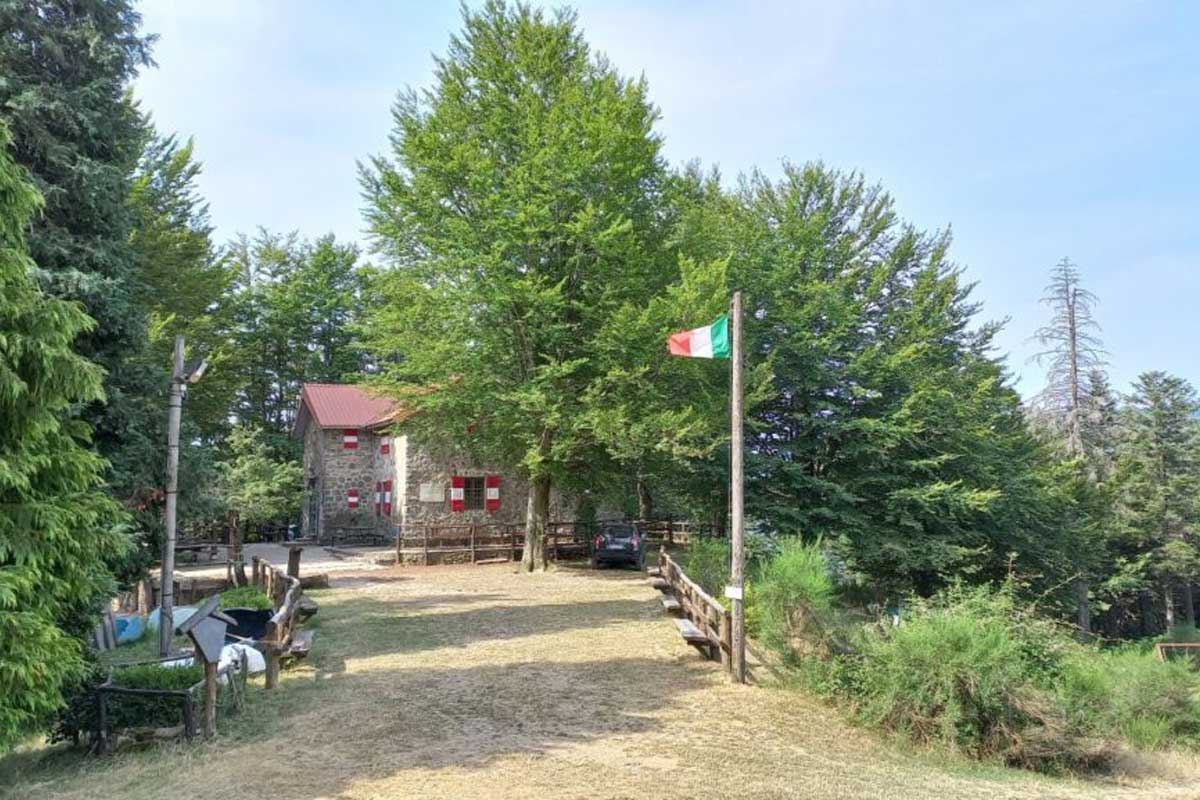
<point x="476" y="682"/>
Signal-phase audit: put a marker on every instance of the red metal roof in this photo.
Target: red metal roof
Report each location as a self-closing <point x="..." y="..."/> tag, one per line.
<point x="340" y="405"/>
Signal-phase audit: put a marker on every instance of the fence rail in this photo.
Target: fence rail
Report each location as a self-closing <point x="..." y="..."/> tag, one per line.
<point x="704" y="611"/>
<point x="489" y="542"/>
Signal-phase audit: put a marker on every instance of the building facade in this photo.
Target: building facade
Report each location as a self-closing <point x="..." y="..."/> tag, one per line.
<point x="362" y="472"/>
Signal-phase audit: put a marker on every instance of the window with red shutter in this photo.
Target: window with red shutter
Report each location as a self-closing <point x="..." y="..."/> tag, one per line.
<point x="387" y="498"/>
<point x="385" y="448"/>
<point x="378" y="497"/>
<point x="492" y="492"/>
<point x="352" y="499"/>
<point x="457" y="497"/>
<point x="350" y="438"/>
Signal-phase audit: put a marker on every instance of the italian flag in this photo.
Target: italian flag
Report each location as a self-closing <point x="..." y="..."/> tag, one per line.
<point x="711" y="341"/>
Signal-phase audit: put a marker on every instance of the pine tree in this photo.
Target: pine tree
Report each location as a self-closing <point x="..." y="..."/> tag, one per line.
<point x="1074" y="357"/>
<point x="66" y="67"/>
<point x="1073" y="353"/>
<point x="58" y="530"/>
<point x="1159" y="482"/>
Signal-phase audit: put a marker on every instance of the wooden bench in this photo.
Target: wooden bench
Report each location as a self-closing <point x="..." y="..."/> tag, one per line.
<point x="662" y="584"/>
<point x="654" y="572"/>
<point x="694" y="636"/>
<point x="670" y="604"/>
<point x="300" y="645"/>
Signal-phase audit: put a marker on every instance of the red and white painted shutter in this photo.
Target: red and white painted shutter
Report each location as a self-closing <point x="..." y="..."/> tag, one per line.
<point x="492" y="492"/>
<point x="387" y="498"/>
<point x="378" y="497"/>
<point x="457" y="500"/>
<point x="352" y="499"/>
<point x="350" y="438"/>
<point x="385" y="448"/>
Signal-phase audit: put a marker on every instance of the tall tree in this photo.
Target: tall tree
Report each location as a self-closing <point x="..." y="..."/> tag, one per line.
<point x="1073" y="352"/>
<point x="1073" y="357"/>
<point x="66" y="67"/>
<point x="292" y="318"/>
<point x="518" y="210"/>
<point x="59" y="532"/>
<point x="1159" y="481"/>
<point x="890" y="430"/>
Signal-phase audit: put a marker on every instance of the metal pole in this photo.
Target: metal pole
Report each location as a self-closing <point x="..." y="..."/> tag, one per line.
<point x="166" y="620"/>
<point x="737" y="572"/>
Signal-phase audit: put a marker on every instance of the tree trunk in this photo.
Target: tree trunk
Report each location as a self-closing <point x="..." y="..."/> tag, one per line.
<point x="1189" y="608"/>
<point x="1084" y="609"/>
<point x="534" y="556"/>
<point x="1169" y="603"/>
<point x="236" y="540"/>
<point x="645" y="500"/>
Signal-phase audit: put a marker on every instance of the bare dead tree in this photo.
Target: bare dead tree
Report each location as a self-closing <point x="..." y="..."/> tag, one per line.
<point x="1073" y="356"/>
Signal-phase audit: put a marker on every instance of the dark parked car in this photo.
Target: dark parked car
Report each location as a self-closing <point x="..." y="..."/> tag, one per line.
<point x="619" y="543"/>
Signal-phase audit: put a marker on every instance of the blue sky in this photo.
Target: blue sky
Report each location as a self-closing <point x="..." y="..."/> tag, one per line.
<point x="1035" y="130"/>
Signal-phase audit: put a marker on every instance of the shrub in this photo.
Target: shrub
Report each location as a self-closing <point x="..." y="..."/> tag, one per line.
<point x="972" y="671"/>
<point x="1131" y="694"/>
<point x="792" y="589"/>
<point x="246" y="597"/>
<point x="708" y="564"/>
<point x="127" y="711"/>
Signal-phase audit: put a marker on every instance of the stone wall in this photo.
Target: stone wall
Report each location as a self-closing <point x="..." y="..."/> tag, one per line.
<point x="433" y="467"/>
<point x="344" y="469"/>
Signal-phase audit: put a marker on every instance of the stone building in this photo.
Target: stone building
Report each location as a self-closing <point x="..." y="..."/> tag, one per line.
<point x="363" y="472"/>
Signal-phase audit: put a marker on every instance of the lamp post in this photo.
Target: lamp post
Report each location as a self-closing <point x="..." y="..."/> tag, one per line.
<point x="179" y="383"/>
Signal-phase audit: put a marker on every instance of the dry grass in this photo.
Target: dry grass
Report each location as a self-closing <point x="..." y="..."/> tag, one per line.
<point x="475" y="682"/>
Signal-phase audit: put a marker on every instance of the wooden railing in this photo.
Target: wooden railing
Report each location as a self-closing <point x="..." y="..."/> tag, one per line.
<point x="487" y="543"/>
<point x="282" y="634"/>
<point x="1189" y="650"/>
<point x="705" y="612"/>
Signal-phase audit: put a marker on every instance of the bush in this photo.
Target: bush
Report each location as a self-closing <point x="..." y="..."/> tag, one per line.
<point x="246" y="597"/>
<point x="791" y="593"/>
<point x="708" y="564"/>
<point x="1130" y="693"/>
<point x="127" y="711"/>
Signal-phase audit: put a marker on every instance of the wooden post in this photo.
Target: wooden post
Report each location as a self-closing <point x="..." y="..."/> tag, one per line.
<point x="256" y="568"/>
<point x="425" y="546"/>
<point x="189" y="717"/>
<point x="513" y="543"/>
<point x="210" y="699"/>
<point x="738" y="643"/>
<point x="101" y="721"/>
<point x="294" y="553"/>
<point x="726" y="645"/>
<point x="166" y="625"/>
<point x="472" y="544"/>
<point x="271" y="637"/>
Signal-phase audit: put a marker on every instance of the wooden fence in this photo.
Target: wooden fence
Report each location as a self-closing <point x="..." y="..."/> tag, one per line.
<point x="283" y="637"/>
<point x="495" y="542"/>
<point x="708" y="617"/>
<point x="1188" y="650"/>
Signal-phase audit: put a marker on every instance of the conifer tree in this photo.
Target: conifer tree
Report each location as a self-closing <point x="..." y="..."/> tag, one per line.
<point x="65" y="70"/>
<point x="1159" y="486"/>
<point x="59" y="531"/>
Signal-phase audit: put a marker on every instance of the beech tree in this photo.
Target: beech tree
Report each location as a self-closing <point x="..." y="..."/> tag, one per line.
<point x="517" y="210"/>
<point x="59" y="531"/>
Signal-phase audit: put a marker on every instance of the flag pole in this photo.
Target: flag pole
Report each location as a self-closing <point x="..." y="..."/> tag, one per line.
<point x="737" y="571"/>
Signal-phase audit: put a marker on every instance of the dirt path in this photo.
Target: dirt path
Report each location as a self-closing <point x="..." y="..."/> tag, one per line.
<point x="475" y="682"/>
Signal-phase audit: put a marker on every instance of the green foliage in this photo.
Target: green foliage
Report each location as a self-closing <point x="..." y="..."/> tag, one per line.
<point x="255" y="485"/>
<point x="58" y="530"/>
<point x="1149" y="703"/>
<point x="793" y="590"/>
<point x="519" y="208"/>
<point x="66" y="67"/>
<point x="708" y="564"/>
<point x="129" y="711"/>
<point x="889" y="429"/>
<point x="246" y="597"/>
